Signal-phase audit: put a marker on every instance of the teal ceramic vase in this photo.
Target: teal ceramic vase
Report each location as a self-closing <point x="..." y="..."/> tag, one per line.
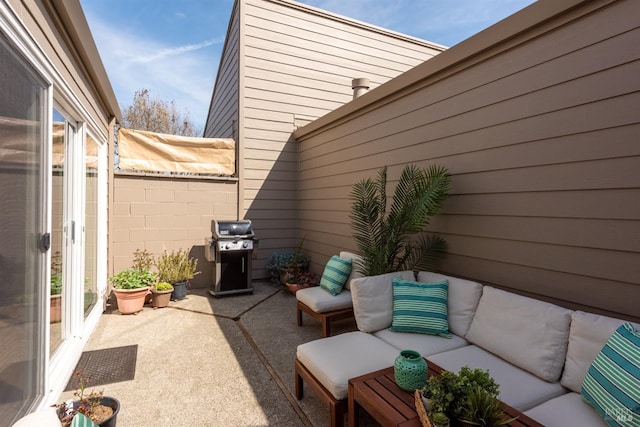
<point x="410" y="370"/>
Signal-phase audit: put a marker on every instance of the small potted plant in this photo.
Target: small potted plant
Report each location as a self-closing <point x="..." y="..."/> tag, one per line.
<point x="447" y="394"/>
<point x="101" y="410"/>
<point x="482" y="408"/>
<point x="177" y="268"/>
<point x="300" y="280"/>
<point x="131" y="287"/>
<point x="161" y="294"/>
<point x="285" y="264"/>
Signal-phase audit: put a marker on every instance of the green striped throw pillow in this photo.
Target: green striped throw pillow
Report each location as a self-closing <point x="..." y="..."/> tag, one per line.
<point x="335" y="274"/>
<point x="420" y="307"/>
<point x="612" y="383"/>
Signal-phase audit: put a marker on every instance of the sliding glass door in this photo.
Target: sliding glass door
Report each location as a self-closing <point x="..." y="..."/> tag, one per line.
<point x="23" y="237"/>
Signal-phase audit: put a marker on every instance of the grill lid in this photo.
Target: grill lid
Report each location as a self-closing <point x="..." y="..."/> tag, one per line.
<point x="232" y="229"/>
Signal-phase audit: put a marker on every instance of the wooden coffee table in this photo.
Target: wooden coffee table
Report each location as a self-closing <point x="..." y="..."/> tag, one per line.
<point x="378" y="394"/>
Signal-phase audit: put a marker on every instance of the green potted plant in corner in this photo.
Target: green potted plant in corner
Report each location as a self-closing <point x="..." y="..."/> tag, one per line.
<point x="177" y="268"/>
<point x="161" y="294"/>
<point x="283" y="265"/>
<point x="131" y="287"/>
<point x="300" y="280"/>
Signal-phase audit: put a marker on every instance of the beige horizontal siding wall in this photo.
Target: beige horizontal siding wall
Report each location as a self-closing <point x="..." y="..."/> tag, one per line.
<point x="298" y="66"/>
<point x="160" y="214"/>
<point x="537" y="120"/>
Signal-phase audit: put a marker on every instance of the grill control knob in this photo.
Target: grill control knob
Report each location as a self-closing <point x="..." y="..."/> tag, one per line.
<point x="227" y="246"/>
<point x="245" y="244"/>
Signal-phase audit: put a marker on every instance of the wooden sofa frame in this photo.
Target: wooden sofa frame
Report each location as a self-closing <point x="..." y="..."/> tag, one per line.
<point x="325" y="318"/>
<point x="337" y="408"/>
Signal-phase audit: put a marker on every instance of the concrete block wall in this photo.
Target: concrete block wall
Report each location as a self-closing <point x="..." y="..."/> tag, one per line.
<point x="167" y="213"/>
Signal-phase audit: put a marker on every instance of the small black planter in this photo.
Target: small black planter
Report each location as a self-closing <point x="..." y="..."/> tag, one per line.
<point x="179" y="291"/>
<point x="112" y="403"/>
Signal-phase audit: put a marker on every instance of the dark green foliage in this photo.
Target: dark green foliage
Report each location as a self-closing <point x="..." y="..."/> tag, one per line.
<point x="448" y="391"/>
<point x="393" y="241"/>
<point x="133" y="279"/>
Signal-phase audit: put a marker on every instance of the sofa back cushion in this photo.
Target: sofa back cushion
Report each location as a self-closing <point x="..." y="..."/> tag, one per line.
<point x="355" y="258"/>
<point x="588" y="334"/>
<point x="529" y="333"/>
<point x="373" y="300"/>
<point x="463" y="300"/>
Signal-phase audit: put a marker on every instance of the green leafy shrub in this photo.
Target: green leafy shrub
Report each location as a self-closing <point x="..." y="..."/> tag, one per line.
<point x="176" y="267"/>
<point x="56" y="284"/>
<point x="481" y="408"/>
<point x="56" y="274"/>
<point x="289" y="262"/>
<point x="133" y="279"/>
<point x="449" y="392"/>
<point x="142" y="260"/>
<point x="163" y="286"/>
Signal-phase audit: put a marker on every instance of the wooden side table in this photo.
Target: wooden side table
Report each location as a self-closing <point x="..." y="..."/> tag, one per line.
<point x="378" y="394"/>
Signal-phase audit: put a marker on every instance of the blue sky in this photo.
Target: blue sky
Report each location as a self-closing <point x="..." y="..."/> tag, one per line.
<point x="173" y="47"/>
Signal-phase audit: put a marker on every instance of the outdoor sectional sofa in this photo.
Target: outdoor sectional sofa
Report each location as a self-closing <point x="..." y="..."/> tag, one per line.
<point x="538" y="353"/>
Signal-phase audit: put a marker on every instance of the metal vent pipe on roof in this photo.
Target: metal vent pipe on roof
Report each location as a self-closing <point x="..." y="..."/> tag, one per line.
<point x="359" y="86"/>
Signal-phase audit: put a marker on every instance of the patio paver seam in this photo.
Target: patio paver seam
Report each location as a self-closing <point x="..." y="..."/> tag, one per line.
<point x="283" y="388"/>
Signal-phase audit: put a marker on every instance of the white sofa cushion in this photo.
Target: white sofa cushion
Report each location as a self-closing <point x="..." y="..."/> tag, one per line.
<point x="463" y="300"/>
<point x="588" y="334"/>
<point x="334" y="360"/>
<point x="566" y="410"/>
<point x="355" y="258"/>
<point x="529" y="333"/>
<point x="373" y="300"/>
<point x="321" y="301"/>
<point x="518" y="388"/>
<point x="424" y="344"/>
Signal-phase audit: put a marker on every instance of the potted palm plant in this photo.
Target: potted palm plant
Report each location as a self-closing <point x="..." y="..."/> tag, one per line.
<point x="391" y="239"/>
<point x="131" y="287"/>
<point x="177" y="268"/>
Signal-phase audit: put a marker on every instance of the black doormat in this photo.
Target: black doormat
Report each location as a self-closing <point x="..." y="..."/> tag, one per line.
<point x="107" y="366"/>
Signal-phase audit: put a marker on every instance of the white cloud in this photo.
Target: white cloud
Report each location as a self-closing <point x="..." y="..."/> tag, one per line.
<point x="184" y="73"/>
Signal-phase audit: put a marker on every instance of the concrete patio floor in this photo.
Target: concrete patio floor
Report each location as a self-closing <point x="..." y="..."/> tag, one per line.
<point x="213" y="361"/>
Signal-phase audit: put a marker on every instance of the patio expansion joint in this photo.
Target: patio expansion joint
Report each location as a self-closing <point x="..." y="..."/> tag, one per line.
<point x="277" y="291"/>
<point x="276" y="378"/>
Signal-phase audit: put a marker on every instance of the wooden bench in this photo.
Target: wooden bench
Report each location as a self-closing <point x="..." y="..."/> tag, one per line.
<point x="325" y="318"/>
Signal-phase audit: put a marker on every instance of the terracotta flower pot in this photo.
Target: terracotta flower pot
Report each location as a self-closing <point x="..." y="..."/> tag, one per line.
<point x="160" y="299"/>
<point x="56" y="308"/>
<point x="131" y="301"/>
<point x="294" y="287"/>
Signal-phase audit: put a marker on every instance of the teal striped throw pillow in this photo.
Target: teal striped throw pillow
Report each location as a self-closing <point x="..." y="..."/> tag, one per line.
<point x="612" y="383"/>
<point x="335" y="274"/>
<point x="420" y="307"/>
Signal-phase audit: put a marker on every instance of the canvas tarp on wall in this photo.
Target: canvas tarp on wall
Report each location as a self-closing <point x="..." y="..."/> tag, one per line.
<point x="150" y="151"/>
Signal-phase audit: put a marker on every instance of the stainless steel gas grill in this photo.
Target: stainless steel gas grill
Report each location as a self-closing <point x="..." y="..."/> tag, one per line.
<point x="230" y="251"/>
